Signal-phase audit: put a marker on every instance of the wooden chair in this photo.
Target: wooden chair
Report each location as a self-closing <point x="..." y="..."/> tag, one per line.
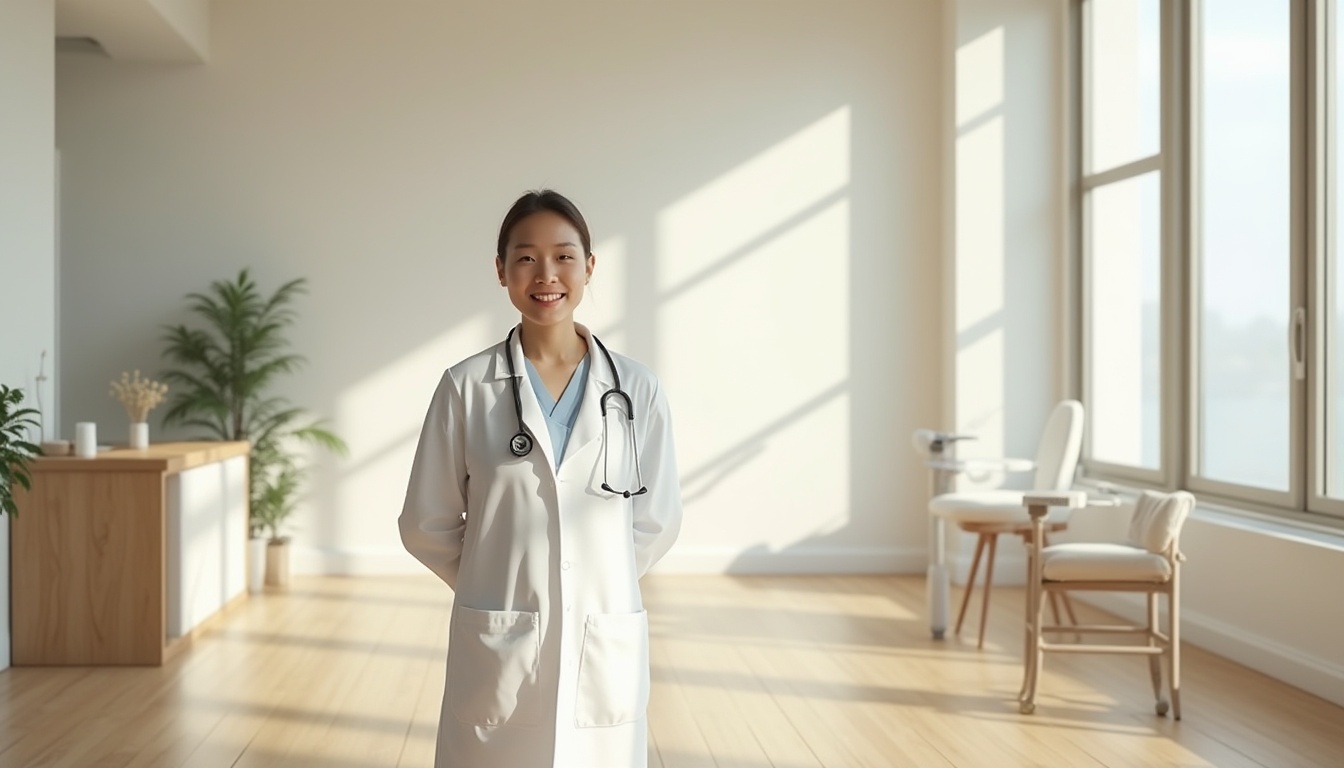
<point x="1149" y="562"/>
<point x="989" y="514"/>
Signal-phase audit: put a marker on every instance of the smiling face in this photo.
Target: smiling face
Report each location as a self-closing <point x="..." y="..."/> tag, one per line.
<point x="545" y="268"/>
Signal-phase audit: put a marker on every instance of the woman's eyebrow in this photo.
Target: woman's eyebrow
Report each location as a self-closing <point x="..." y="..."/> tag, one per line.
<point x="565" y="244"/>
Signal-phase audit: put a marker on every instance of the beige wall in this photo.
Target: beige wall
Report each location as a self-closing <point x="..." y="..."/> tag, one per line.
<point x="27" y="218"/>
<point x="757" y="175"/>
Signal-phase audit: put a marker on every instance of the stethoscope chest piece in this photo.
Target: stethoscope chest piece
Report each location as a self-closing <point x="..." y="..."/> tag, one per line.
<point x="521" y="444"/>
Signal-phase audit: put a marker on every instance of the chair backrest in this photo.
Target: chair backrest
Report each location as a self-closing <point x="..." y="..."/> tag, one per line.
<point x="1158" y="518"/>
<point x="1062" y="442"/>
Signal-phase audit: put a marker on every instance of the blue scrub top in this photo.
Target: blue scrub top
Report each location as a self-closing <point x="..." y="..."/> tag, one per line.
<point x="560" y="416"/>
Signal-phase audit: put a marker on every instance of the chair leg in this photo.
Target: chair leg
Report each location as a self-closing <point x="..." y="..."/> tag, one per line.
<point x="1154" y="661"/>
<point x="1027" y="655"/>
<point x="1174" y="652"/>
<point x="970" y="583"/>
<point x="1068" y="608"/>
<point x="1035" y="656"/>
<point x="989" y="584"/>
<point x="1059" y="597"/>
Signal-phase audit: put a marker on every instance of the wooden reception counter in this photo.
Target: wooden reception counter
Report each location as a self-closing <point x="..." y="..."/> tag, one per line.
<point x="116" y="558"/>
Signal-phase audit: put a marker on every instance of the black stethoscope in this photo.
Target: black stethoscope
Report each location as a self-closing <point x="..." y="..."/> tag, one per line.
<point x="521" y="443"/>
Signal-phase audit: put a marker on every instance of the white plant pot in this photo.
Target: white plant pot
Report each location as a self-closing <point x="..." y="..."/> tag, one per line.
<point x="256" y="564"/>
<point x="139" y="435"/>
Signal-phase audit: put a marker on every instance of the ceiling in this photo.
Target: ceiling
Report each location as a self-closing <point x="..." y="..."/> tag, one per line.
<point x="137" y="30"/>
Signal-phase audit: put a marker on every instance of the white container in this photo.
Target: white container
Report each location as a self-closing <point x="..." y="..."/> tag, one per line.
<point x="256" y="564"/>
<point x="86" y="439"/>
<point x="139" y="435"/>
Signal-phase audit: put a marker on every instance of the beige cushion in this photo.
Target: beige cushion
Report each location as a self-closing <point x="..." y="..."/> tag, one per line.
<point x="1103" y="562"/>
<point x="989" y="507"/>
<point x="1158" y="518"/>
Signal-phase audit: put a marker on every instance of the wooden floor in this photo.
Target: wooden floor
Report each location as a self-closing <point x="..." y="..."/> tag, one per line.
<point x="750" y="672"/>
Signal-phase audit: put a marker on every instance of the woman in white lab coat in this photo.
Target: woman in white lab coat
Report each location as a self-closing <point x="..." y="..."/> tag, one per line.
<point x="542" y="514"/>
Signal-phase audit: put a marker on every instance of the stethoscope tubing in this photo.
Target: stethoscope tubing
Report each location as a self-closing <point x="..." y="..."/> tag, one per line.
<point x="521" y="443"/>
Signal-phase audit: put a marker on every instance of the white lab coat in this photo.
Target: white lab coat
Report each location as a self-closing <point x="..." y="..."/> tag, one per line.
<point x="548" y="653"/>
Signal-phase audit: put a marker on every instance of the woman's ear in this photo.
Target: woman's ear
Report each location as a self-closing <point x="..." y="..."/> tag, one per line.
<point x="588" y="270"/>
<point x="499" y="270"/>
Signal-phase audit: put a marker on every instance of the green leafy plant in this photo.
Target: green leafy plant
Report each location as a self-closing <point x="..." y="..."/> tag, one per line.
<point x="15" y="450"/>
<point x="224" y="374"/>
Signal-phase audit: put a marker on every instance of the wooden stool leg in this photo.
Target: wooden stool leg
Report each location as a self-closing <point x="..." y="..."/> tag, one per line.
<point x="989" y="583"/>
<point x="970" y="583"/>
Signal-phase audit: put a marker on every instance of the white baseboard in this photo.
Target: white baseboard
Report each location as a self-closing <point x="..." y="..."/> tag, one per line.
<point x="328" y="562"/>
<point x="800" y="560"/>
<point x="1279" y="661"/>
<point x="308" y="560"/>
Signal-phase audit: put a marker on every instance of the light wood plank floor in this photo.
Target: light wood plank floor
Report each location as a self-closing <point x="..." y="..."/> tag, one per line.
<point x="749" y="672"/>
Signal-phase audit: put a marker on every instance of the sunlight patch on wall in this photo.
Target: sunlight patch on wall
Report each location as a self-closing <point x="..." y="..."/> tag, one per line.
<point x="980" y="76"/>
<point x="380" y="418"/>
<point x="604" y="304"/>
<point x="980" y="240"/>
<point x="980" y="225"/>
<point x="754" y="334"/>
<point x="753" y="200"/>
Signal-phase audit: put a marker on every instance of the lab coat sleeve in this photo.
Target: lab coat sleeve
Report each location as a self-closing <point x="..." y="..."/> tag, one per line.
<point x="657" y="514"/>
<point x="433" y="518"/>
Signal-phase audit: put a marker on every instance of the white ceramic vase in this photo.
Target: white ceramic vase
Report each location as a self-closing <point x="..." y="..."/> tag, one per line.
<point x="139" y="435"/>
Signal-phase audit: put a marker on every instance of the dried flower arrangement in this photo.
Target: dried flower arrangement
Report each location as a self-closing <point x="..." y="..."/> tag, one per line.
<point x="138" y="396"/>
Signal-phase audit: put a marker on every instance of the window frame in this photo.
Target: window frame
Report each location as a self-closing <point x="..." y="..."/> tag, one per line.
<point x="1085" y="184"/>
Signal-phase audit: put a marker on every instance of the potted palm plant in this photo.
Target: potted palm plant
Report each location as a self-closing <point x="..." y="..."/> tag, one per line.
<point x="224" y="375"/>
<point x="15" y="449"/>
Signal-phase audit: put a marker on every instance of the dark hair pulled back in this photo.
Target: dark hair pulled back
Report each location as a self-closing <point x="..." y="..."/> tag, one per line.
<point x="538" y="201"/>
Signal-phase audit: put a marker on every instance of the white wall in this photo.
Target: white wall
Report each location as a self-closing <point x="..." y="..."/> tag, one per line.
<point x="1004" y="129"/>
<point x="758" y="178"/>
<point x="27" y="218"/>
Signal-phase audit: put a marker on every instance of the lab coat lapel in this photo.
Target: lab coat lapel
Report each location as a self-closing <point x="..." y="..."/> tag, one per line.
<point x="588" y="425"/>
<point x="532" y="416"/>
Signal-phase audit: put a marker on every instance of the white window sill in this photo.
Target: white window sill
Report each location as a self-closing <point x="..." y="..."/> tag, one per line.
<point x="1251" y="521"/>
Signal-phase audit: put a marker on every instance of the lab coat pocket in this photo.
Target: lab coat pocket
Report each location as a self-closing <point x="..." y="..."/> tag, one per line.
<point x="613" y="670"/>
<point x="492" y="667"/>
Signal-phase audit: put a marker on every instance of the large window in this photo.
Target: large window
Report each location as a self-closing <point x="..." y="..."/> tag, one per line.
<point x="1211" y="307"/>
<point x="1242" y="145"/>
<point x="1122" y="207"/>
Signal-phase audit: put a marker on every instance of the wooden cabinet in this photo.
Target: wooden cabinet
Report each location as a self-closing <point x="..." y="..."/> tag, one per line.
<point x="117" y="558"/>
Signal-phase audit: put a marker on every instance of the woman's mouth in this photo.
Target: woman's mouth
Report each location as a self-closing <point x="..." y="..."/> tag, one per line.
<point x="547" y="298"/>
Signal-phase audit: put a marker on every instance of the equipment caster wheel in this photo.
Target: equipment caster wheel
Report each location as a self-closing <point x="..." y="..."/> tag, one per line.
<point x="1162" y="708"/>
<point x="1026" y="708"/>
<point x="938" y="634"/>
